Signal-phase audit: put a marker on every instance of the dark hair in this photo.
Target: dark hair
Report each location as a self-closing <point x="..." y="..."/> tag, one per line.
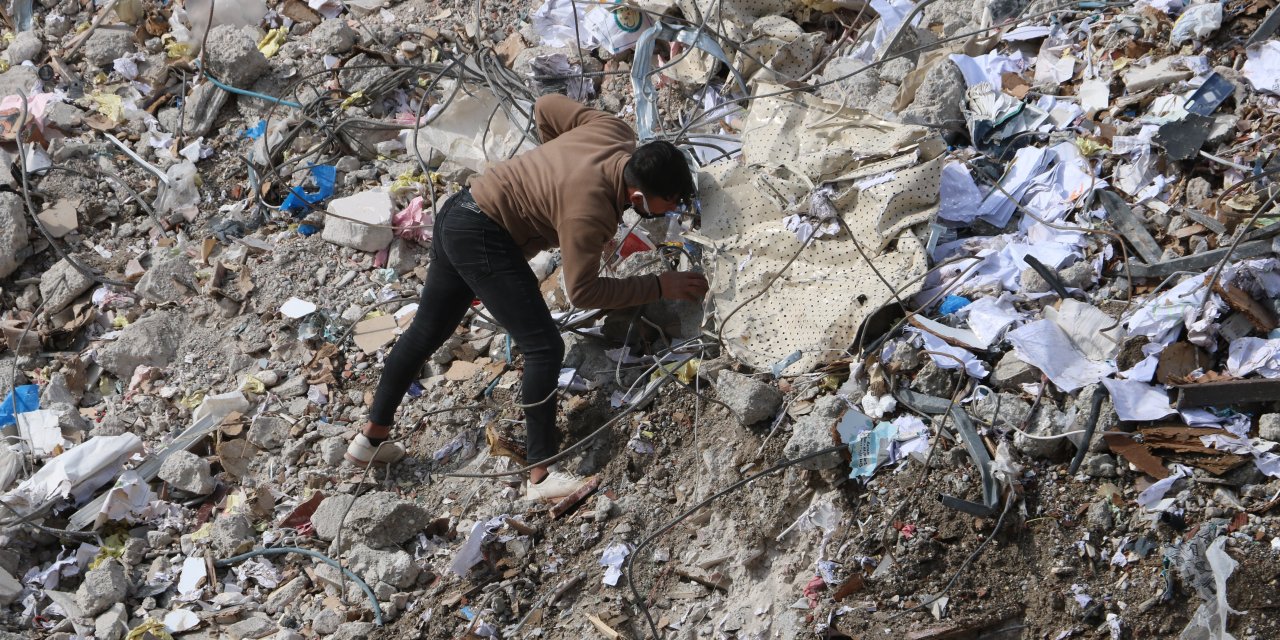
<point x="658" y="168"/>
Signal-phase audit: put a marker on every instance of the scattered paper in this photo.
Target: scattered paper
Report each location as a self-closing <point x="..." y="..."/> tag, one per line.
<point x="612" y="558"/>
<point x="129" y="501"/>
<point x="40" y="430"/>
<point x="470" y="554"/>
<point x="193" y="576"/>
<point x="181" y="620"/>
<point x="1155" y="493"/>
<point x="1136" y="400"/>
<point x="1262" y="66"/>
<point x="1044" y="345"/>
<point x="955" y="358"/>
<point x="959" y="197"/>
<point x="989" y="316"/>
<point x="297" y="308"/>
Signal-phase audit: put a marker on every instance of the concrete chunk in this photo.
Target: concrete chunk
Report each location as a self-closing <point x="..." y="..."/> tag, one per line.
<point x="61" y="285"/>
<point x="813" y="433"/>
<point x="102" y="588"/>
<point x="188" y="472"/>
<point x="10" y="588"/>
<point x="361" y="211"/>
<point x="233" y="56"/>
<point x="379" y="520"/>
<point x="14" y="245"/>
<point x="753" y="400"/>
<point x="395" y="568"/>
<point x="1162" y="72"/>
<point x="152" y="341"/>
<point x="166" y="279"/>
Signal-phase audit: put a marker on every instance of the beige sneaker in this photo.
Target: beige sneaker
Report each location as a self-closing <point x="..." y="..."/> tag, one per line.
<point x="557" y="485"/>
<point x="361" y="451"/>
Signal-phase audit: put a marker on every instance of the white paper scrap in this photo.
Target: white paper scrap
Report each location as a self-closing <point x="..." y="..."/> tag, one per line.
<point x="1262" y="66"/>
<point x="297" y="308"/>
<point x="612" y="558"/>
<point x="1136" y="400"/>
<point x="193" y="577"/>
<point x="1044" y="345"/>
<point x="181" y="620"/>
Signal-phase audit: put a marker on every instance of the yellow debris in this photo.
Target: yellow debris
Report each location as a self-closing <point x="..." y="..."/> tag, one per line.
<point x="271" y="43"/>
<point x="152" y="629"/>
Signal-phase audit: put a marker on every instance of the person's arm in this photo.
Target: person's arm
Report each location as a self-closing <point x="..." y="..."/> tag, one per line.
<point x="580" y="245"/>
<point x="580" y="248"/>
<point x="556" y="114"/>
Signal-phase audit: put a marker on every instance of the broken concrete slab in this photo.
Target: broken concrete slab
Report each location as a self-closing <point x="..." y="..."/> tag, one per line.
<point x="361" y="221"/>
<point x="395" y="568"/>
<point x="102" y="588"/>
<point x="112" y="624"/>
<point x="269" y="432"/>
<point x="1011" y="372"/>
<point x="750" y="398"/>
<point x="151" y="341"/>
<point x="13" y="233"/>
<point x="815" y="432"/>
<point x="107" y="44"/>
<point x="61" y="285"/>
<point x="253" y="627"/>
<point x="232" y="535"/>
<point x="170" y="279"/>
<point x="233" y="57"/>
<point x="189" y="472"/>
<point x="939" y="98"/>
<point x="380" y="520"/>
<point x="10" y="588"/>
<point x="1162" y="72"/>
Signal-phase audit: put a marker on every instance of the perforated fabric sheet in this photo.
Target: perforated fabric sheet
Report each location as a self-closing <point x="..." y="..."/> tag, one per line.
<point x="817" y="305"/>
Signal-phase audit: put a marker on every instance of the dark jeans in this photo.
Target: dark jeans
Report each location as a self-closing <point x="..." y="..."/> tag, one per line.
<point x="474" y="257"/>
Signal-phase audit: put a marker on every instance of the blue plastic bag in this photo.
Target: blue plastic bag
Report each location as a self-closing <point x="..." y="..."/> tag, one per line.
<point x="20" y="400"/>
<point x="325" y="176"/>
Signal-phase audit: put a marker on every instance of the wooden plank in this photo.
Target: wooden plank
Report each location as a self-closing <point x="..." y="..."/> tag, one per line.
<point x="1228" y="392"/>
<point x="1131" y="227"/>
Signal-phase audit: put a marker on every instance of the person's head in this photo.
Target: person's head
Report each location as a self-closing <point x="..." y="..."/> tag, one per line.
<point x="658" y="179"/>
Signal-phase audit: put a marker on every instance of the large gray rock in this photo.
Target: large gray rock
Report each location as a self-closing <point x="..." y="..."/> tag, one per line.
<point x="19" y="78"/>
<point x="10" y="588"/>
<point x="395" y="568"/>
<point x="152" y="341"/>
<point x="1010" y="372"/>
<point x="232" y="535"/>
<point x="813" y="433"/>
<point x="61" y="285"/>
<point x="203" y="105"/>
<point x="354" y="631"/>
<point x="333" y="36"/>
<point x="113" y="624"/>
<point x="163" y="282"/>
<point x="285" y="594"/>
<point x="253" y="627"/>
<point x="25" y="46"/>
<point x="750" y="398"/>
<point x="939" y="98"/>
<point x="269" y="432"/>
<point x="1269" y="427"/>
<point x="379" y="520"/>
<point x="233" y="56"/>
<point x="108" y="43"/>
<point x="102" y="588"/>
<point x="14" y="245"/>
<point x="189" y="472"/>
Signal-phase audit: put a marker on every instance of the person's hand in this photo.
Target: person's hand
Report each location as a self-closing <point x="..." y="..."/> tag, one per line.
<point x="683" y="285"/>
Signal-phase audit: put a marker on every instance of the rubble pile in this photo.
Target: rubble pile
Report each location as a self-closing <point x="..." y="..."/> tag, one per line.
<point x="992" y="347"/>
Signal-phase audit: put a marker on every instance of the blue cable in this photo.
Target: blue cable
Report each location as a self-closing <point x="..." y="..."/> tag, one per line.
<point x="245" y="92"/>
